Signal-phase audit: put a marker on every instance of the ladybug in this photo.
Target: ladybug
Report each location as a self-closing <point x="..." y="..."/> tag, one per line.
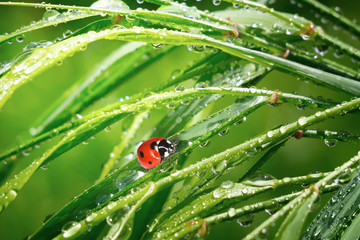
<point x="153" y="151"/>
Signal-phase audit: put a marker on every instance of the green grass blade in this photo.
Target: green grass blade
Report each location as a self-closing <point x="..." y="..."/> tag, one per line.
<point x="341" y="212"/>
<point x="344" y="21"/>
<point x="294" y="222"/>
<point x="47" y="21"/>
<point x="306" y="194"/>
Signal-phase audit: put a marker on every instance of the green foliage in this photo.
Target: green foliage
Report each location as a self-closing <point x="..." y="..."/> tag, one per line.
<point x="230" y="54"/>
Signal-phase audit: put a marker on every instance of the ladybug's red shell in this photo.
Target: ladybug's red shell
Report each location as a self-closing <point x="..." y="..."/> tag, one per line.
<point x="148" y="153"/>
<point x="154" y="151"/>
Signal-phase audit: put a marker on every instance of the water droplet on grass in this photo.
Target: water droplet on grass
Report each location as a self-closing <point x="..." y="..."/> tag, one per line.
<point x="179" y="88"/>
<point x="246" y="220"/>
<point x="67" y="33"/>
<point x="50" y="15"/>
<point x="302" y="121"/>
<point x="70" y="229"/>
<point x="227" y="184"/>
<point x="216" y="2"/>
<point x="175" y="74"/>
<point x="330" y="142"/>
<point x="224" y="132"/>
<point x="231" y="212"/>
<point x="201" y="85"/>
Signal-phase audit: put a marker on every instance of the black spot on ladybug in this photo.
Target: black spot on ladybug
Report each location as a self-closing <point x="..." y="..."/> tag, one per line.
<point x="141" y="154"/>
<point x="150" y="162"/>
<point x="153" y="145"/>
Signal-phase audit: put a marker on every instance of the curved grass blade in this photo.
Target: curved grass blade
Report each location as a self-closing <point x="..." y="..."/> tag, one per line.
<point x="40" y="59"/>
<point x="50" y="18"/>
<point x="318" y="33"/>
<point x="345" y="22"/>
<point x="340" y="213"/>
<point x="293" y="224"/>
<point x="53" y="18"/>
<point x="182" y="21"/>
<point x="276" y="33"/>
<point x="300" y="200"/>
<point x="324" y="78"/>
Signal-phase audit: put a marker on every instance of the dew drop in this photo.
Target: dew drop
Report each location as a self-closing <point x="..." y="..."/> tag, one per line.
<point x="67" y="33"/>
<point x="227" y="184"/>
<point x="224" y="132"/>
<point x="330" y="142"/>
<point x="302" y="121"/>
<point x="232" y="212"/>
<point x="301" y="107"/>
<point x="33" y="131"/>
<point x="214" y="170"/>
<point x="175" y="74"/>
<point x="263" y="234"/>
<point x="271" y="211"/>
<point x="241" y="121"/>
<point x="185" y="102"/>
<point x="157" y="45"/>
<point x="10" y="195"/>
<point x="338" y="54"/>
<point x="25" y="153"/>
<point x="20" y="39"/>
<point x="321" y="49"/>
<point x="305" y="37"/>
<point x="70" y="229"/>
<point x="50" y="15"/>
<point x="201" y="85"/>
<point x="218" y="193"/>
<point x="196" y="48"/>
<point x="179" y="88"/>
<point x="204" y="144"/>
<point x="171" y="106"/>
<point x="45" y="167"/>
<point x="253" y="89"/>
<point x="216" y="2"/>
<point x="246" y="220"/>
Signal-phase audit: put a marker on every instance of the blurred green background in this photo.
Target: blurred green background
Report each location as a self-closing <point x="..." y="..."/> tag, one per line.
<point x="73" y="172"/>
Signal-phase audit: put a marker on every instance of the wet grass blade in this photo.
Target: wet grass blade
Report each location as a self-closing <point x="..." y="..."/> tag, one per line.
<point x="339" y="217"/>
<point x="47" y="21"/>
